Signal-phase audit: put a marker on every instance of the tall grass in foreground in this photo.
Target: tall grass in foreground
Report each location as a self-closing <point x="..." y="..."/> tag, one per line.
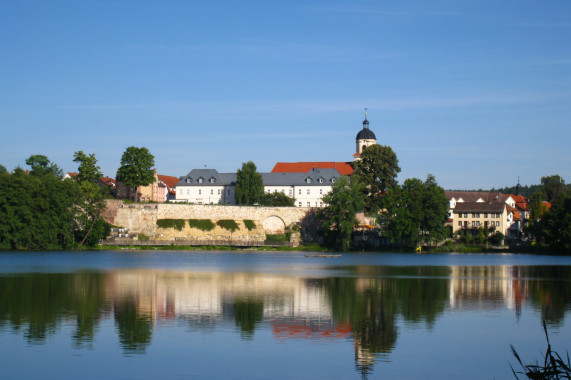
<point x="553" y="366"/>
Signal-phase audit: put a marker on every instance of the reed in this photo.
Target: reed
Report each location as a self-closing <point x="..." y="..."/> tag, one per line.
<point x="553" y="365"/>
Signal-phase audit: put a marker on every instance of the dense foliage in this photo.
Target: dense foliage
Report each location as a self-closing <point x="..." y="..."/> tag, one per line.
<point x="415" y="212"/>
<point x="338" y="217"/>
<point x="201" y="224"/>
<point x="41" y="166"/>
<point x="377" y="171"/>
<point x="177" y="224"/>
<point x="276" y="199"/>
<point x="228" y="224"/>
<point x="554" y="228"/>
<point x="249" y="224"/>
<point x="136" y="169"/>
<point x="249" y="184"/>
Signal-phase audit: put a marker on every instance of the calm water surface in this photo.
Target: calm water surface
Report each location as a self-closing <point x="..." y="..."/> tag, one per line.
<point x="166" y="314"/>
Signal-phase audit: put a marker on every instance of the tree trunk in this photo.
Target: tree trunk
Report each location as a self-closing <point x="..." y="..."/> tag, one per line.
<point x="88" y="232"/>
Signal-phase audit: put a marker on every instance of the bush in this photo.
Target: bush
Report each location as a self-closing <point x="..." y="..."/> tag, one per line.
<point x="276" y="238"/>
<point x="228" y="224"/>
<point x="143" y="237"/>
<point x="497" y="238"/>
<point x="177" y="224"/>
<point x="201" y="224"/>
<point x="250" y="225"/>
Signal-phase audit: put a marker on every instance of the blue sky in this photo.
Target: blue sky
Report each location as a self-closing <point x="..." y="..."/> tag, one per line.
<point x="478" y="93"/>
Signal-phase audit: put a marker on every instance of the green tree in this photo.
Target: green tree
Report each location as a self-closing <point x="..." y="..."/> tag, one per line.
<point x="38" y="212"/>
<point x="136" y="169"/>
<point x="89" y="174"/>
<point x="41" y="166"/>
<point x="3" y="169"/>
<point x="276" y="199"/>
<point x="249" y="184"/>
<point x="555" y="227"/>
<point x="552" y="186"/>
<point x="338" y="216"/>
<point x="415" y="212"/>
<point x="377" y="171"/>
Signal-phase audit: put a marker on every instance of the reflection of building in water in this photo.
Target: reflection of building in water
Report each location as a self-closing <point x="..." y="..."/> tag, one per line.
<point x="206" y="296"/>
<point x="487" y="287"/>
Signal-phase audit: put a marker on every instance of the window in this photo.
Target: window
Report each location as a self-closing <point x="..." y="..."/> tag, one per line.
<point x="309" y="180"/>
<point x="473" y="224"/>
<point x="473" y="215"/>
<point x="211" y="192"/>
<point x="320" y="191"/>
<point x="460" y="215"/>
<point x="308" y="191"/>
<point x="218" y="191"/>
<point x="477" y="215"/>
<point x="290" y="192"/>
<point x="320" y="204"/>
<point x="187" y="191"/>
<point x="485" y="215"/>
<point x="200" y="180"/>
<point x="268" y="191"/>
<point x="228" y="193"/>
<point x="333" y="180"/>
<point x="460" y="223"/>
<point x="199" y="192"/>
<point x="299" y="204"/>
<point x="283" y="191"/>
<point x="320" y="180"/>
<point x="299" y="191"/>
<point x="308" y="204"/>
<point x="465" y="215"/>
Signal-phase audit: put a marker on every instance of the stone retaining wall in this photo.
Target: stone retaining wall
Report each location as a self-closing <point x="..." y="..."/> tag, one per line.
<point x="141" y="218"/>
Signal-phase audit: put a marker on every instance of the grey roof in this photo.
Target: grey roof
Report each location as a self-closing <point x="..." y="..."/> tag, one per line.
<point x="211" y="177"/>
<point x="491" y="207"/>
<point x="311" y="178"/>
<point x="208" y="176"/>
<point x="366" y="134"/>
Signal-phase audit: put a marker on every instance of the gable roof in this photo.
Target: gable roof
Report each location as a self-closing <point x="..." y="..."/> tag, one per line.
<point x="219" y="179"/>
<point x="169" y="181"/>
<point x="490" y="207"/>
<point x="344" y="168"/>
<point x="473" y="196"/>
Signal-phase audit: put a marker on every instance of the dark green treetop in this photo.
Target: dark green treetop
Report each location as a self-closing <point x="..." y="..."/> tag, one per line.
<point x="41" y="165"/>
<point x="136" y="168"/>
<point x="377" y="170"/>
<point x="249" y="184"/>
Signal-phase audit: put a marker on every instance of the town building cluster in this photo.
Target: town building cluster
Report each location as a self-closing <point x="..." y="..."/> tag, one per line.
<point x="308" y="182"/>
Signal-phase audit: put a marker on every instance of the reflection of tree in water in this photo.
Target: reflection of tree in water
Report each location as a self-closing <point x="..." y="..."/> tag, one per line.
<point x="372" y="305"/>
<point x="248" y="313"/>
<point x="549" y="289"/>
<point x="135" y="330"/>
<point x="38" y="302"/>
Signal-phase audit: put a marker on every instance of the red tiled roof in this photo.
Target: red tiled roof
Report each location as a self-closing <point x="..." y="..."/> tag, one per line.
<point x="344" y="168"/>
<point x="108" y="181"/>
<point x="170" y="181"/>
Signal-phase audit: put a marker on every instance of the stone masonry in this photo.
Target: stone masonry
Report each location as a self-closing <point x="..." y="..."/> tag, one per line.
<point x="142" y="219"/>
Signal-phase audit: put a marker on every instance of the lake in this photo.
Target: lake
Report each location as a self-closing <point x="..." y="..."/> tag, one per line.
<point x="279" y="315"/>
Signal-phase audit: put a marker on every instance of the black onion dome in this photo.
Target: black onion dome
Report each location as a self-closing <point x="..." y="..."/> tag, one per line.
<point x="366" y="134"/>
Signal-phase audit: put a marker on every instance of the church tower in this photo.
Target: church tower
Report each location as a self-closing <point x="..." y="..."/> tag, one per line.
<point x="365" y="138"/>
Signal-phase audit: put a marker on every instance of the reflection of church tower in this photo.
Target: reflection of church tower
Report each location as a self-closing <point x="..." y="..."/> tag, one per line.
<point x="365" y="138"/>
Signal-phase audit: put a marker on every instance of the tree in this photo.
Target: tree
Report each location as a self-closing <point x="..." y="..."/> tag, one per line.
<point x="338" y="217"/>
<point x="249" y="184"/>
<point x="89" y="173"/>
<point x="555" y="226"/>
<point x="377" y="171"/>
<point x="42" y="166"/>
<point x="415" y="212"/>
<point x="552" y="186"/>
<point x="136" y="169"/>
<point x="3" y="169"/>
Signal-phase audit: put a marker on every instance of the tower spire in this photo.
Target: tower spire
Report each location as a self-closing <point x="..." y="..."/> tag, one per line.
<point x="366" y="122"/>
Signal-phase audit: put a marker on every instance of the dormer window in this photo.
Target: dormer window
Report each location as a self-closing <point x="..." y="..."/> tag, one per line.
<point x="333" y="180"/>
<point x="200" y="180"/>
<point x="320" y="180"/>
<point x="308" y="180"/>
<point x="212" y="180"/>
<point x="188" y="180"/>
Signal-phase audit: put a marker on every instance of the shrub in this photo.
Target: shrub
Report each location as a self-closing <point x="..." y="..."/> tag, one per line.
<point x="276" y="238"/>
<point x="228" y="224"/>
<point x="201" y="224"/>
<point x="250" y="225"/>
<point x="177" y="224"/>
<point x="143" y="237"/>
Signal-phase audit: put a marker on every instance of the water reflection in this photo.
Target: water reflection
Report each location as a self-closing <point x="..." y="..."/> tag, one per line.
<point x="363" y="306"/>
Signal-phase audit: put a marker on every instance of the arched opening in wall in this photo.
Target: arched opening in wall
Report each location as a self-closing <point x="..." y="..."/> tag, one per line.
<point x="364" y="146"/>
<point x="273" y="225"/>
